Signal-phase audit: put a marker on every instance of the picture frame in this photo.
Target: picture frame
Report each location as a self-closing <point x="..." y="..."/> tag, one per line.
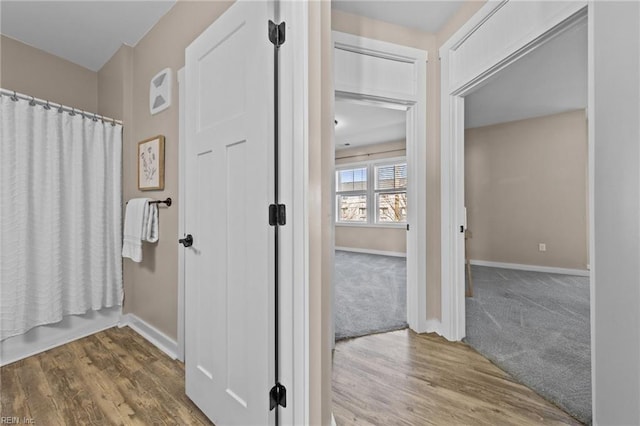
<point x="151" y="164"/>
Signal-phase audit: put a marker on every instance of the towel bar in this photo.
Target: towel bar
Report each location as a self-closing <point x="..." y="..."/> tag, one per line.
<point x="168" y="202"/>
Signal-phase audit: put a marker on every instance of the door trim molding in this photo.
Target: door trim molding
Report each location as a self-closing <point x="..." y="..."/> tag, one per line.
<point x="492" y="20"/>
<point x="181" y="213"/>
<point x="294" y="155"/>
<point x="452" y="140"/>
<point x="415" y="105"/>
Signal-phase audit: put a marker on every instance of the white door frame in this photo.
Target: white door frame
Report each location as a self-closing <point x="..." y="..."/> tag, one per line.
<point x="463" y="68"/>
<point x="294" y="189"/>
<point x="182" y="189"/>
<point x="414" y="102"/>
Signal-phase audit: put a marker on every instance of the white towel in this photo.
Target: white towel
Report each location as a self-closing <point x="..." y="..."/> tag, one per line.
<point x="140" y="224"/>
<point x="150" y="230"/>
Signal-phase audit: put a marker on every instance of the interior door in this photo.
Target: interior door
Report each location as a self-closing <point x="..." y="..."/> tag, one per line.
<point x="229" y="266"/>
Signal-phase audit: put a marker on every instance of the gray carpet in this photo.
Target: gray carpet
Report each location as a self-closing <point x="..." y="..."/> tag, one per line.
<point x="535" y="326"/>
<point x="370" y="294"/>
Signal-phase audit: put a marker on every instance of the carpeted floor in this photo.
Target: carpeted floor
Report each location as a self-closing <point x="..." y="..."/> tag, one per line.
<point x="370" y="294"/>
<point x="535" y="326"/>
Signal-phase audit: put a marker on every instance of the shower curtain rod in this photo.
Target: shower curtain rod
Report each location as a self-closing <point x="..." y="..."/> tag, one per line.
<point x="47" y="104"/>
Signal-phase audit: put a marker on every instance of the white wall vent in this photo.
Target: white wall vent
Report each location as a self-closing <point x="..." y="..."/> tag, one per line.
<point x="160" y="91"/>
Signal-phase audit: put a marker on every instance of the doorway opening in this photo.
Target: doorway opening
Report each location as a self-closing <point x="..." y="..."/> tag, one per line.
<point x="460" y="87"/>
<point x="370" y="218"/>
<point x="388" y="65"/>
<point x="527" y="239"/>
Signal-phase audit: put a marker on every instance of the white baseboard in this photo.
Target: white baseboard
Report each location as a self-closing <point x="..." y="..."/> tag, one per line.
<point x="156" y="337"/>
<point x="49" y="336"/>
<point x="367" y="251"/>
<point x="433" y="326"/>
<point x="429" y="326"/>
<point x="534" y="268"/>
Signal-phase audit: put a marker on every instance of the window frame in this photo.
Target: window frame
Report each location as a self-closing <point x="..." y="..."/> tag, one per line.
<point x="371" y="193"/>
<point x="359" y="192"/>
<point x="378" y="192"/>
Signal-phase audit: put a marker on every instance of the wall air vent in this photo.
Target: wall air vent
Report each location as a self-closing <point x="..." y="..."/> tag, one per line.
<point x="160" y="91"/>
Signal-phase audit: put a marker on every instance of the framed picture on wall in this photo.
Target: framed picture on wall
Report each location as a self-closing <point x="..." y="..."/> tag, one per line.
<point x="151" y="164"/>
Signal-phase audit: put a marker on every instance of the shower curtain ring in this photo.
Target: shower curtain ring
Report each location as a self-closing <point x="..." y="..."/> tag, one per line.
<point x="14" y="97"/>
<point x="73" y="112"/>
<point x="47" y="106"/>
<point x="32" y="102"/>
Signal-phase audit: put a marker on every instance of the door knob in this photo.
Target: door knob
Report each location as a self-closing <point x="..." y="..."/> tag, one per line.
<point x="186" y="241"/>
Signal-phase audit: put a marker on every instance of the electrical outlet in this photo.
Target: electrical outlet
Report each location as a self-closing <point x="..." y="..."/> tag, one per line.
<point x="542" y="247"/>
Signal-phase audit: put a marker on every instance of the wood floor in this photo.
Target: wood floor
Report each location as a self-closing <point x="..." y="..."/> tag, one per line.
<point x="111" y="378"/>
<point x="402" y="378"/>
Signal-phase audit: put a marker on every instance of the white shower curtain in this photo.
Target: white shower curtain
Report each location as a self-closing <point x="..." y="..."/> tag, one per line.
<point x="60" y="215"/>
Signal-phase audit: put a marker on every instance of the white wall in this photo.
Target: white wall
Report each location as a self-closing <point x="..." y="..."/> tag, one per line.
<point x="615" y="129"/>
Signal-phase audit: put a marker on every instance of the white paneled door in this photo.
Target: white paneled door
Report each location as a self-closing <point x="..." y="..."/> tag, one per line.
<point x="229" y="174"/>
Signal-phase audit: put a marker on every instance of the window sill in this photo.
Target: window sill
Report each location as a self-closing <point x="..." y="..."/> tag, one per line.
<point x="372" y="225"/>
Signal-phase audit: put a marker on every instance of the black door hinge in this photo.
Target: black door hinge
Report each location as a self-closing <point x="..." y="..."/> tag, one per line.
<point x="276" y="33"/>
<point x="277" y="396"/>
<point x="407" y="226"/>
<point x="277" y="214"/>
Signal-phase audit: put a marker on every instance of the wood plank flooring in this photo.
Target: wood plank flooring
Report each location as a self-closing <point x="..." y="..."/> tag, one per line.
<point x="114" y="377"/>
<point x="402" y="378"/>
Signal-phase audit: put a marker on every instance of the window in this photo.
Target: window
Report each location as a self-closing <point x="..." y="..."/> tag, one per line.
<point x="391" y="193"/>
<point x="351" y="191"/>
<point x="382" y="203"/>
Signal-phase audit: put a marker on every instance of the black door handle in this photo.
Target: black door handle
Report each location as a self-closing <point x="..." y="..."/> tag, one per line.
<point x="186" y="241"/>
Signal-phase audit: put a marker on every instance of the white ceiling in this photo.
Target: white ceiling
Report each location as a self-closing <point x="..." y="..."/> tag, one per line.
<point x="360" y="125"/>
<point x="87" y="33"/>
<point x="550" y="80"/>
<point x="428" y="16"/>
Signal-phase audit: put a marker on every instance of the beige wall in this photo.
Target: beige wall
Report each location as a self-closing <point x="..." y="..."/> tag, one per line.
<point x="37" y="73"/>
<point x="151" y="286"/>
<point x="525" y="184"/>
<point x="371" y="237"/>
<point x="115" y="85"/>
